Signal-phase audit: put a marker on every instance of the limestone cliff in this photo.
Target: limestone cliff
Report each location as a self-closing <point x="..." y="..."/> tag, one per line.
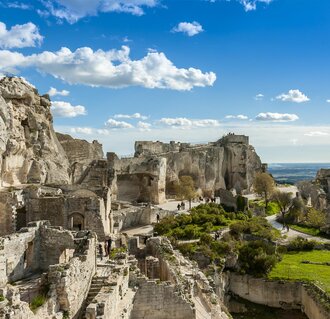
<point x="228" y="163"/>
<point x="29" y="149"/>
<point x="80" y="154"/>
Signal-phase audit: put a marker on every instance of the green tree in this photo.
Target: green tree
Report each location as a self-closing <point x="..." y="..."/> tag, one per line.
<point x="287" y="203"/>
<point x="264" y="186"/>
<point x="185" y="189"/>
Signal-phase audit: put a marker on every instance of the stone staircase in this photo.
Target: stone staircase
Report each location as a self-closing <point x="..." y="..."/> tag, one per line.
<point x="95" y="288"/>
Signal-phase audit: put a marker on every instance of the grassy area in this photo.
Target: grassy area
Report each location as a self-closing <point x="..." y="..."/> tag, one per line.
<point x="306" y="230"/>
<point x="292" y="268"/>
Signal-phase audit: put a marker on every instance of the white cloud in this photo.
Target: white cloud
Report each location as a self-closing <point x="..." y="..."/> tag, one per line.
<point x="73" y="10"/>
<point x="103" y="131"/>
<point x="53" y="92"/>
<point x="328" y="101"/>
<point x="65" y="109"/>
<point x="111" y="123"/>
<point x="113" y="68"/>
<point x="185" y="123"/>
<point x="81" y="130"/>
<point x="188" y="28"/>
<point x="277" y="117"/>
<point x="293" y="96"/>
<point x="250" y="5"/>
<point x="19" y="36"/>
<point x="131" y="116"/>
<point x="238" y="117"/>
<point x="259" y="97"/>
<point x="316" y="134"/>
<point x="17" y="5"/>
<point x="143" y="126"/>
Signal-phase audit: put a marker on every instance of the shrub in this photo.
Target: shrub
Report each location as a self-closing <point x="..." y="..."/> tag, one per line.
<point x="301" y="244"/>
<point x="37" y="302"/>
<point x="257" y="258"/>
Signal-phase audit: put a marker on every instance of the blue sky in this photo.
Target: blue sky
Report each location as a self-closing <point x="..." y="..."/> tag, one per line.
<point x="179" y="70"/>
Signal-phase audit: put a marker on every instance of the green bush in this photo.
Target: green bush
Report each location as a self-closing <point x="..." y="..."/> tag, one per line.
<point x="301" y="244"/>
<point x="257" y="258"/>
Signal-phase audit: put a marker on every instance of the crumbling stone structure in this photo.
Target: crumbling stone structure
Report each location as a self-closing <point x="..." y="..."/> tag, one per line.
<point x="229" y="163"/>
<point x="64" y="261"/>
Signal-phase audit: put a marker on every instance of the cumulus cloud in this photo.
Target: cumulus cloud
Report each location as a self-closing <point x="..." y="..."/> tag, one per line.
<point x="238" y="117"/>
<point x="143" y="126"/>
<point x="316" y="134"/>
<point x="19" y="36"/>
<point x="293" y="96"/>
<point x="53" y="92"/>
<point x="250" y="5"/>
<point x="113" y="68"/>
<point x="131" y="116"/>
<point x="188" y="28"/>
<point x="65" y="109"/>
<point x="81" y="130"/>
<point x="182" y="122"/>
<point x="72" y="10"/>
<point x="259" y="97"/>
<point x="113" y="124"/>
<point x="277" y="117"/>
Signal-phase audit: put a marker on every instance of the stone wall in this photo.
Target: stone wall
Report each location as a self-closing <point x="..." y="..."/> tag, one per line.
<point x="19" y="254"/>
<point x="278" y="294"/>
<point x="227" y="163"/>
<point x="160" y="301"/>
<point x="80" y="154"/>
<point x="139" y="179"/>
<point x="70" y="282"/>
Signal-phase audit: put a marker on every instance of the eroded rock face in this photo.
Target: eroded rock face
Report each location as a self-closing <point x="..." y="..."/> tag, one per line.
<point x="80" y="154"/>
<point x="29" y="149"/>
<point x="229" y="163"/>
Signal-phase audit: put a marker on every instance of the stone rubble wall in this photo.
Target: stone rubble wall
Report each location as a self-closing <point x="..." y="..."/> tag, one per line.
<point x="70" y="282"/>
<point x="278" y="294"/>
<point x="160" y="301"/>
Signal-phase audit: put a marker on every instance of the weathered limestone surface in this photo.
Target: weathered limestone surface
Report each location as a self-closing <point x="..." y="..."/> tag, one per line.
<point x="80" y="154"/>
<point x="141" y="179"/>
<point x="278" y="294"/>
<point x="67" y="260"/>
<point x="228" y="163"/>
<point x="29" y="149"/>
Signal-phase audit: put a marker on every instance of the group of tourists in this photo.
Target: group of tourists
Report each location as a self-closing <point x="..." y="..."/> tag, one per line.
<point x="107" y="248"/>
<point x="181" y="206"/>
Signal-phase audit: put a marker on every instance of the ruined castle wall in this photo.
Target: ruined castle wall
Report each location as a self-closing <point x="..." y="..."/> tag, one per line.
<point x="160" y="301"/>
<point x="6" y="217"/>
<point x="311" y="305"/>
<point x="151" y="148"/>
<point x="47" y="208"/>
<point x="19" y="255"/>
<point x="70" y="282"/>
<point x="57" y="246"/>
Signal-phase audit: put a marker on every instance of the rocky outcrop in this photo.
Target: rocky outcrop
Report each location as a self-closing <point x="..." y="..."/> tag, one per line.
<point x="29" y="149"/>
<point x="80" y="154"/>
<point x="229" y="163"/>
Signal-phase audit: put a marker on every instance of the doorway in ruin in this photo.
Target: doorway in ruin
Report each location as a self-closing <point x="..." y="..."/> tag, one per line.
<point x="29" y="256"/>
<point x="76" y="222"/>
<point x="21" y="220"/>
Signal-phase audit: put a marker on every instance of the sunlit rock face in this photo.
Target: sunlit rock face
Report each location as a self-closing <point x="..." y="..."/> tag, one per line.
<point x="29" y="149"/>
<point x="229" y="163"/>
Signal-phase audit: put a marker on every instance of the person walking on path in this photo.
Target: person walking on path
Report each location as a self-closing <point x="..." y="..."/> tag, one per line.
<point x="158" y="217"/>
<point x="109" y="244"/>
<point x="101" y="251"/>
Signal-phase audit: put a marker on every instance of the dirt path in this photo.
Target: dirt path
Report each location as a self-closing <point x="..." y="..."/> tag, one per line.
<point x="293" y="233"/>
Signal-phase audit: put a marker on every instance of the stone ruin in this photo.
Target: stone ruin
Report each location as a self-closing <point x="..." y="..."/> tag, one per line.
<point x="82" y="198"/>
<point x="317" y="194"/>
